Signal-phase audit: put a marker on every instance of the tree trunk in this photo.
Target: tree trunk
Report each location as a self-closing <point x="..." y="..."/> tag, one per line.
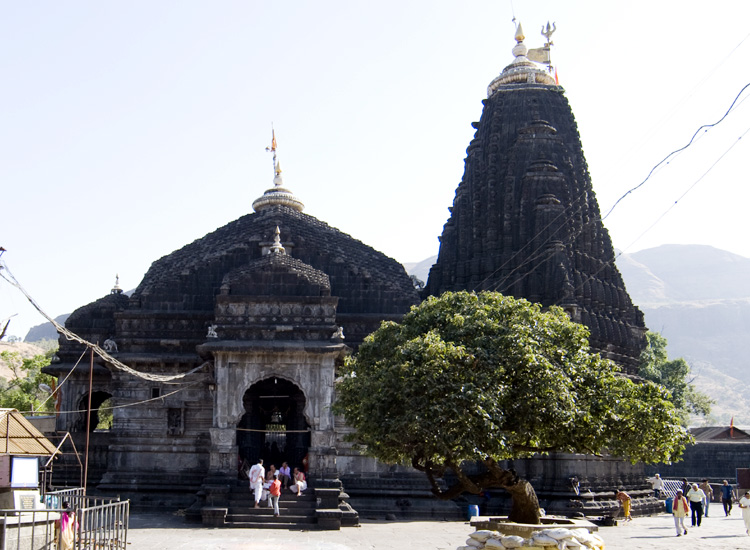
<point x="525" y="505"/>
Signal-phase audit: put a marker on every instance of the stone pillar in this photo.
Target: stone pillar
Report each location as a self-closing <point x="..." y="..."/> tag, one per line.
<point x="322" y="455"/>
<point x="224" y="452"/>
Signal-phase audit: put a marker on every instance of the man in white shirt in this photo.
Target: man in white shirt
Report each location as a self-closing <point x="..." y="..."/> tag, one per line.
<point x="745" y="505"/>
<point x="257" y="477"/>
<point x="657" y="484"/>
<point x="696" y="497"/>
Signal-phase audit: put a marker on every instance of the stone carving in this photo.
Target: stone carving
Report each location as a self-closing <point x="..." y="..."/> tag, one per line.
<point x="212" y="332"/>
<point x="339" y="334"/>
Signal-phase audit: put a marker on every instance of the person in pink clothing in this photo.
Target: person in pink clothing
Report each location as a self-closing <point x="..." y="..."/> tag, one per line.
<point x="680" y="511"/>
<point x="65" y="528"/>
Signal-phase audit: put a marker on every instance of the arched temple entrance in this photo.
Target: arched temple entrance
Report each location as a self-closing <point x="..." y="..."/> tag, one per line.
<point x="274" y="427"/>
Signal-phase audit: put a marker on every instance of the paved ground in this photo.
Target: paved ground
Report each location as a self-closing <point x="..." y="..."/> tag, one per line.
<point x="152" y="532"/>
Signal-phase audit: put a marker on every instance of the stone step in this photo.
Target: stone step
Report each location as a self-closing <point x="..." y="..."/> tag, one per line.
<point x="245" y="517"/>
<point x="253" y="525"/>
<point x="248" y="500"/>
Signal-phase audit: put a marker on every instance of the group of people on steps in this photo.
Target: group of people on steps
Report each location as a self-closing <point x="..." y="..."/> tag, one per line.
<point x="268" y="485"/>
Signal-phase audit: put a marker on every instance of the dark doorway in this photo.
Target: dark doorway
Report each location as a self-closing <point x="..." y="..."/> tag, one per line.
<point x="274" y="427"/>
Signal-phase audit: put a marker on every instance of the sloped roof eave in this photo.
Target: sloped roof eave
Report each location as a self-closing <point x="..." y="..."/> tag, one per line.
<point x="18" y="437"/>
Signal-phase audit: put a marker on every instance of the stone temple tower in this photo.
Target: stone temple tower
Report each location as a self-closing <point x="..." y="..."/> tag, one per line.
<point x="525" y="221"/>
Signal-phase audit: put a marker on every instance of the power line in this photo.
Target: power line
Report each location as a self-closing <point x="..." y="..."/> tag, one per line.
<point x="6" y="274"/>
<point x="670" y="155"/>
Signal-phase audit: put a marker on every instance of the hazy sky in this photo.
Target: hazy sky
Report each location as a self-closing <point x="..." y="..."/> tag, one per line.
<point x="129" y="129"/>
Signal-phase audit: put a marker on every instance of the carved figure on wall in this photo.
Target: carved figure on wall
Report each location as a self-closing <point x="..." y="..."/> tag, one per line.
<point x="212" y="332"/>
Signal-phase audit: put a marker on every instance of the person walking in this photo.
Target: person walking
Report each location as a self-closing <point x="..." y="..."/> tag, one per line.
<point x="727" y="497"/>
<point x="270" y="476"/>
<point x="257" y="475"/>
<point x="657" y="484"/>
<point x="274" y="493"/>
<point x="705" y="486"/>
<point x="65" y="528"/>
<point x="745" y="506"/>
<point x="680" y="512"/>
<point x="624" y="499"/>
<point x="696" y="497"/>
<point x="685" y="487"/>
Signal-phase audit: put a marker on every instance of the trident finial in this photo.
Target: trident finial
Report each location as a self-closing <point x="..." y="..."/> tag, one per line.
<point x="548" y="32"/>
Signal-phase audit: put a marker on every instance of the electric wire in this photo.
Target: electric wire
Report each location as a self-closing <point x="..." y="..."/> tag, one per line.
<point x="61" y="384"/>
<point x="539" y="250"/>
<point x="689" y="143"/>
<point x="6" y="274"/>
<point x="133" y="404"/>
<point x="640" y="142"/>
<point x="671" y="206"/>
<point x="599" y="218"/>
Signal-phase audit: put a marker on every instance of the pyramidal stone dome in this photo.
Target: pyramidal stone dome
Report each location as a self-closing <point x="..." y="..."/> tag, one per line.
<point x="525" y="221"/>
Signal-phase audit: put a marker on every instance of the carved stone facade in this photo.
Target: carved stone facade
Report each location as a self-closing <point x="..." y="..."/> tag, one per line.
<point x="525" y="220"/>
<point x="258" y="310"/>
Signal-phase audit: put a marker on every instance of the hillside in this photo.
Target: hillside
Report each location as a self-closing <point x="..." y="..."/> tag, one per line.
<point x="25" y="349"/>
<point x="45" y="331"/>
<point x="698" y="298"/>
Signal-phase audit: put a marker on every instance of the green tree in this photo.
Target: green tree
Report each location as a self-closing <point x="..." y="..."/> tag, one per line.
<point x="673" y="375"/>
<point x="485" y="378"/>
<point x="22" y="391"/>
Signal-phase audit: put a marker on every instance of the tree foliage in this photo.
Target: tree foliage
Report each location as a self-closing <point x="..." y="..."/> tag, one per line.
<point x="674" y="376"/>
<point x="485" y="378"/>
<point x="22" y="391"/>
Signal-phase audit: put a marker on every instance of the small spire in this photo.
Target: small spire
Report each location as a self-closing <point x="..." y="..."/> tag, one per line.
<point x="116" y="289"/>
<point x="278" y="195"/>
<point x="276" y="247"/>
<point x="277" y="179"/>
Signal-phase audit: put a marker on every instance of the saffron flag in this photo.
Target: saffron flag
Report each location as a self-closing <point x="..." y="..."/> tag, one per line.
<point x="731" y="427"/>
<point x="557" y="81"/>
<point x="272" y="148"/>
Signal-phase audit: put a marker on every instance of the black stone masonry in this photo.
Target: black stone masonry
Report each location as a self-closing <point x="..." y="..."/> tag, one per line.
<point x="525" y="221"/>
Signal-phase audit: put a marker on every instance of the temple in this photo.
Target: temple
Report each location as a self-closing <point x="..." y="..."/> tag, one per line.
<point x="227" y="351"/>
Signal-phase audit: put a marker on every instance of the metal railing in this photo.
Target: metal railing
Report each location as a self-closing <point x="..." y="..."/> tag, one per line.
<point x="100" y="523"/>
<point x="27" y="529"/>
